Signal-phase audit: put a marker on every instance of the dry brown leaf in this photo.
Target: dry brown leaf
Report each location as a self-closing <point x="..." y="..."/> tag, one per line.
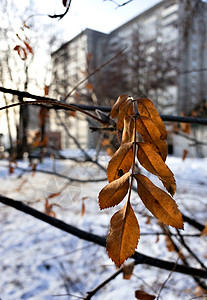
<point x="204" y="231"/>
<point x="170" y="246"/>
<point x="159" y="203"/>
<point x="114" y="192"/>
<point x="153" y="163"/>
<point x="12" y="166"/>
<point x="128" y="270"/>
<point x="148" y="221"/>
<point x="123" y="236"/>
<point x="146" y="108"/>
<point x="43" y="115"/>
<point x="128" y="132"/>
<point x="157" y="239"/>
<point x="106" y="142"/>
<point x="29" y="48"/>
<point x="185" y="153"/>
<point x="21" y="184"/>
<point x="83" y="209"/>
<point x="115" y="107"/>
<point x="185" y="127"/>
<point x="89" y="56"/>
<point x="46" y="90"/>
<point x="142" y="295"/>
<point x="110" y="151"/>
<point x="125" y="109"/>
<point x="151" y="134"/>
<point x="121" y="162"/>
<point x="71" y="113"/>
<point x="89" y="86"/>
<point x="21" y="52"/>
<point x="200" y="292"/>
<point x="11" y="169"/>
<point x="53" y="195"/>
<point x="48" y="209"/>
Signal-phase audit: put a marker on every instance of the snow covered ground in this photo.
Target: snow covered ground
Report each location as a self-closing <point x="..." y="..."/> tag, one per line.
<point x="40" y="262"/>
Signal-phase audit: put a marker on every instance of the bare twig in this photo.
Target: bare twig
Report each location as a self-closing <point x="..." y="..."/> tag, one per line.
<point x="96" y="289"/>
<point x="63" y="295"/>
<point x="120" y="5"/>
<point x="182" y="257"/>
<point x="190" y="250"/>
<point x="190" y="138"/>
<point x="168" y="277"/>
<point x="58" y="175"/>
<point x="55" y="103"/>
<point x="94" y="72"/>
<point x="60" y="16"/>
<point x="88" y="157"/>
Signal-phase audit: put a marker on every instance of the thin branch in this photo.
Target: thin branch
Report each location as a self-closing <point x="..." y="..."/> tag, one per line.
<point x="168" y="277"/>
<point x="192" y="71"/>
<point x="101" y="285"/>
<point x="183" y="258"/>
<point x="54" y="104"/>
<point x="68" y="253"/>
<point x="190" y="138"/>
<point x="119" y="5"/>
<point x="94" y="72"/>
<point x="92" y="128"/>
<point x="88" y="157"/>
<point x="138" y="257"/>
<point x="60" y="16"/>
<point x="63" y="295"/>
<point x="58" y="175"/>
<point x="189" y="250"/>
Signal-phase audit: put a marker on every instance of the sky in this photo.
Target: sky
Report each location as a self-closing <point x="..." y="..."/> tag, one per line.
<point x="95" y="14"/>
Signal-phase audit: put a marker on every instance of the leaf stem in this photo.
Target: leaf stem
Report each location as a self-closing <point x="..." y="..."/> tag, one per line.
<point x="134" y="157"/>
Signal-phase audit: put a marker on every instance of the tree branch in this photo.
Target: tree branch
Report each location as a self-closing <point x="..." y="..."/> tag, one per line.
<point x="55" y="104"/>
<point x="138" y="257"/>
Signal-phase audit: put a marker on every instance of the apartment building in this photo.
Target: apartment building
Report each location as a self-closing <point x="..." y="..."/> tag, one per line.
<point x="165" y="59"/>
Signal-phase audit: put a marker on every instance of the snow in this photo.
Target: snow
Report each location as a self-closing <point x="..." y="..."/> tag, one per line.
<point x="40" y="262"/>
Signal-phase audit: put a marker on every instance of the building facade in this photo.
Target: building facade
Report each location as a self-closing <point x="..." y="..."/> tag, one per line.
<point x="165" y="59"/>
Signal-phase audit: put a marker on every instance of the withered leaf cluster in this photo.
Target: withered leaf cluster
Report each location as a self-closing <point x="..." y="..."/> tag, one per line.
<point x="136" y="118"/>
